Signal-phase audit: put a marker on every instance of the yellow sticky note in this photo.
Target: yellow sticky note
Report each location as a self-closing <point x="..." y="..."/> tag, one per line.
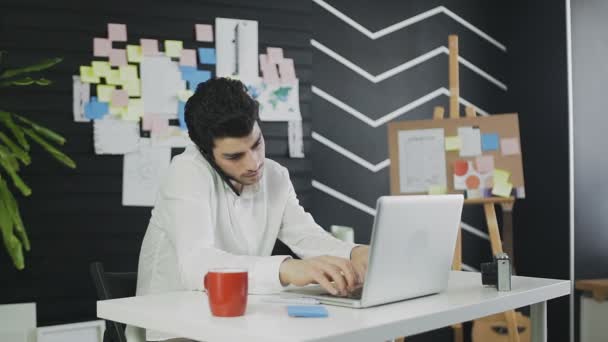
<point x="113" y="77"/>
<point x="437" y="190"/>
<point x="502" y="189"/>
<point x="118" y="111"/>
<point x="453" y="143"/>
<point x="104" y="92"/>
<point x="87" y="75"/>
<point x="101" y="69"/>
<point x="133" y="87"/>
<point x="501" y="176"/>
<point x="173" y="48"/>
<point x="135" y="110"/>
<point x="184" y="95"/>
<point x="134" y="53"/>
<point x="128" y="72"/>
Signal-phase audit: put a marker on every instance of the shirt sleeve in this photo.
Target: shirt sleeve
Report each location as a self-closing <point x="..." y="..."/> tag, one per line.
<point x="303" y="235"/>
<point x="186" y="197"/>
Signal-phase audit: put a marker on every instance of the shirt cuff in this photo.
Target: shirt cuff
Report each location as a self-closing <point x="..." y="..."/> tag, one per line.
<point x="265" y="277"/>
<point x="344" y="249"/>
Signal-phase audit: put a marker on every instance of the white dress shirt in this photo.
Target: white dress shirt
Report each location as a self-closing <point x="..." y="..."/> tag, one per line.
<point x="199" y="223"/>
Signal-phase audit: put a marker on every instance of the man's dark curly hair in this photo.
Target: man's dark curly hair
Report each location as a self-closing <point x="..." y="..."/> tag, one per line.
<point x="219" y="108"/>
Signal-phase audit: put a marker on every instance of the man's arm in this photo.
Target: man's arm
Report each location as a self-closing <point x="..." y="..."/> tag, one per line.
<point x="326" y="259"/>
<point x="303" y="235"/>
<point x="187" y="196"/>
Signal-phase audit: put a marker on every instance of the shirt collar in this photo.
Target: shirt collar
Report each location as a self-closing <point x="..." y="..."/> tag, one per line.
<point x="248" y="190"/>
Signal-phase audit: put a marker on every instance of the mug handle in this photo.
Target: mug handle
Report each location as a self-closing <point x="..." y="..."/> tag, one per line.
<point x="205" y="282"/>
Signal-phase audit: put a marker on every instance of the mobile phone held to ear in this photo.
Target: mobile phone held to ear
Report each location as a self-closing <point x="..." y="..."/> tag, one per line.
<point x="219" y="171"/>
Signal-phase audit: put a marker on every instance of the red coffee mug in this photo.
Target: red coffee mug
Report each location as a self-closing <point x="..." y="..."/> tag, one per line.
<point x="227" y="291"/>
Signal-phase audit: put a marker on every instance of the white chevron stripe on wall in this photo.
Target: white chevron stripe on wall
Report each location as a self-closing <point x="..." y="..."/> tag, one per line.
<point x="371" y="211"/>
<point x="348" y="154"/>
<point x="405" y="66"/>
<point x="394" y="114"/>
<point x="342" y="197"/>
<point x="407" y="22"/>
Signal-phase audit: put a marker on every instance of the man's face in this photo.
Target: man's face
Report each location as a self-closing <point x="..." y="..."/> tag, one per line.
<point x="241" y="158"/>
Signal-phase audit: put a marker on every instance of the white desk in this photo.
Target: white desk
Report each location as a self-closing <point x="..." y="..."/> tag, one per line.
<point x="187" y="314"/>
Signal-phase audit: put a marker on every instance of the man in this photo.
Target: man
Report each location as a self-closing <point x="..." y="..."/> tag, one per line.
<point x="223" y="204"/>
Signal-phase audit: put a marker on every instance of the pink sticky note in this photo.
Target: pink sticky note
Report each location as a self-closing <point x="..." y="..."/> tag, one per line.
<point x="270" y="74"/>
<point x="101" y="47"/>
<point x="287" y="70"/>
<point x="509" y="146"/>
<point x="148" y="120"/>
<point x="118" y="57"/>
<point x="160" y="124"/>
<point x="120" y="98"/>
<point x="484" y="164"/>
<point x="149" y="47"/>
<point x="117" y="32"/>
<point x="263" y="61"/>
<point x="274" y="54"/>
<point x="188" y="57"/>
<point x="204" y="33"/>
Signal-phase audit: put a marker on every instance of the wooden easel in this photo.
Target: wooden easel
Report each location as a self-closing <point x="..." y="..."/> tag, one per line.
<point x="488" y="203"/>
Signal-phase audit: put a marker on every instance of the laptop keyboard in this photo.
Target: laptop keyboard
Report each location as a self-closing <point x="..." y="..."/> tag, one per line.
<point x="356" y="294"/>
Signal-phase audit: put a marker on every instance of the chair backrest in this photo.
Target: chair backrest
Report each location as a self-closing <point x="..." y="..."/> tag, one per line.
<point x="111" y="285"/>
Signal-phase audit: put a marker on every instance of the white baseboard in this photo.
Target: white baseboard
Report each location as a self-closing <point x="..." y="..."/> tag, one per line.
<point x="77" y="332"/>
<point x="18" y="322"/>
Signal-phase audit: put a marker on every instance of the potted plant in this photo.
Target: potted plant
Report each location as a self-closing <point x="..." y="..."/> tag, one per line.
<point x="16" y="134"/>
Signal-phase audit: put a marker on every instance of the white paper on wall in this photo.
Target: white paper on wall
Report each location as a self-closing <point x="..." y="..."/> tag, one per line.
<point x="81" y="94"/>
<point x="173" y="137"/>
<point x="280" y="102"/>
<point x="236" y="43"/>
<point x="470" y="138"/>
<point x="143" y="172"/>
<point x="115" y="136"/>
<point x="161" y="81"/>
<point x="295" y="139"/>
<point x="421" y="160"/>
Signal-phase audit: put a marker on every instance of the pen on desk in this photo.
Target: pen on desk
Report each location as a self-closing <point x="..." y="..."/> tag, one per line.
<point x="293" y="300"/>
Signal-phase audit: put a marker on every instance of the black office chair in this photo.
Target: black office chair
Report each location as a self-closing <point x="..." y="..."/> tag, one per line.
<point x="111" y="285"/>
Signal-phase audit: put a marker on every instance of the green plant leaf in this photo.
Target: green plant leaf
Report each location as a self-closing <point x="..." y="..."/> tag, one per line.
<point x="43" y="82"/>
<point x="45" y="64"/>
<point x="11" y="242"/>
<point x="13" y="207"/>
<point x="60" y="156"/>
<point x="47" y="133"/>
<point x="7" y="119"/>
<point x="19" y="153"/>
<point x="12" y="172"/>
<point x="7" y="155"/>
<point x="26" y="81"/>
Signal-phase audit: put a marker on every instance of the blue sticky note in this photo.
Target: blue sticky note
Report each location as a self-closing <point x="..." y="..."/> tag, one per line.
<point x="180" y="115"/>
<point x="489" y="142"/>
<point x="187" y="72"/>
<point x="197" y="77"/>
<point x="94" y="109"/>
<point x="307" y="311"/>
<point x="206" y="55"/>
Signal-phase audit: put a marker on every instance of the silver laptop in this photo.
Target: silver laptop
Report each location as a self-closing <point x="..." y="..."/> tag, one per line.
<point x="411" y="251"/>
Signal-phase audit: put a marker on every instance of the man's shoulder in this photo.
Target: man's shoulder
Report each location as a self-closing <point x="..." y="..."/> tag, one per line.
<point x="190" y="161"/>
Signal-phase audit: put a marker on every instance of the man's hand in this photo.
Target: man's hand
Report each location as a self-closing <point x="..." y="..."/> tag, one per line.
<point x="322" y="270"/>
<point x="359" y="257"/>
